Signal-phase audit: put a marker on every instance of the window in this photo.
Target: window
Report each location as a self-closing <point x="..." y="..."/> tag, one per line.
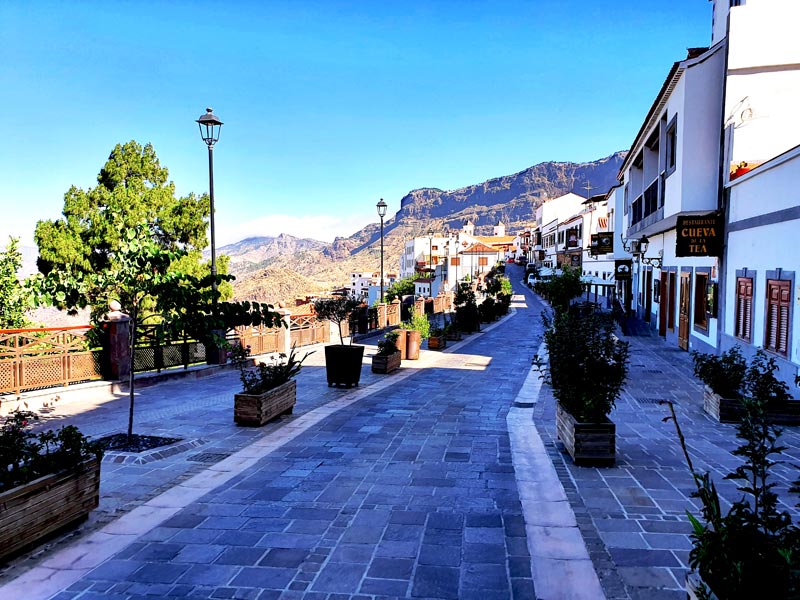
<point x="777" y="317"/>
<point x="744" y="308"/>
<point x="434" y="247"/>
<point x="700" y="284"/>
<point x="483" y="261"/>
<point x="672" y="145"/>
<point x="455" y="261"/>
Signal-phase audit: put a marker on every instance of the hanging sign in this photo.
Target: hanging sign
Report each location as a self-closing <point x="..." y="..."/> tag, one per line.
<point x="622" y="269"/>
<point x="699" y="235"/>
<point x="602" y="243"/>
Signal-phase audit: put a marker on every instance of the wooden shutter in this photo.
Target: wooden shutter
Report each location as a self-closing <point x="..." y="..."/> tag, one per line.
<point x="744" y="308"/>
<point x="777" y="317"/>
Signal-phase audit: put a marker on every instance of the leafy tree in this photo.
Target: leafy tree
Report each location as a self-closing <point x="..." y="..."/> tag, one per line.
<point x="132" y="188"/>
<point x="401" y="287"/>
<point x="14" y="299"/>
<point x="139" y="270"/>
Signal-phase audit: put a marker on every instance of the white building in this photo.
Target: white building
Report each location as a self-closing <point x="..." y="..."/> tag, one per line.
<point x="362" y="283"/>
<point x="672" y="171"/>
<point x="759" y="293"/>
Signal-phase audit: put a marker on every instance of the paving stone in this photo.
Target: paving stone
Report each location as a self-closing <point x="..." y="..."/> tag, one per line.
<point x="208" y="575"/>
<point x="435" y="582"/>
<point x="390" y="568"/>
<point x="263" y="577"/>
<point x="240" y="556"/>
<point x="339" y="577"/>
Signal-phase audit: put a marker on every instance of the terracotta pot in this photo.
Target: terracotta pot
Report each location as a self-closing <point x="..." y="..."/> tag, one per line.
<point x="413" y="341"/>
<point x="401" y="342"/>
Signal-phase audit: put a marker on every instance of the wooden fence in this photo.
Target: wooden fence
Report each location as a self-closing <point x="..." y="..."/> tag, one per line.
<point x="31" y="359"/>
<point x="156" y="350"/>
<point x="307" y="329"/>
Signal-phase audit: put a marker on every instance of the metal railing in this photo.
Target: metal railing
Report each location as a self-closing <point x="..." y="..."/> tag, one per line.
<point x="38" y="358"/>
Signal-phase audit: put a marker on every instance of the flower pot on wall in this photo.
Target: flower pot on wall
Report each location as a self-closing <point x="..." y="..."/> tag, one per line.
<point x="343" y="364"/>
<point x="586" y="443"/>
<point x="386" y="363"/>
<point x="257" y="409"/>
<point x="36" y="509"/>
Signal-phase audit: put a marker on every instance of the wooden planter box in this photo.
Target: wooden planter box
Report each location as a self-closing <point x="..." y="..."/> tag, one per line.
<point x="730" y="410"/>
<point x="454" y="335"/>
<point x="437" y="343"/>
<point x="343" y="364"/>
<point x="587" y="443"/>
<point x="386" y="363"/>
<point x="256" y="409"/>
<point x="34" y="510"/>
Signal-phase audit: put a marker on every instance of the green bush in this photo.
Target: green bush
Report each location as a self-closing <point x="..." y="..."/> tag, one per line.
<point x="419" y="322"/>
<point x="266" y="376"/>
<point x="388" y="345"/>
<point x="561" y="289"/>
<point x="723" y="373"/>
<point x="588" y="365"/>
<point x="25" y="455"/>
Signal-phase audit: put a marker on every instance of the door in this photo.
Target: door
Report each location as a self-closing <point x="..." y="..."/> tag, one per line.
<point x="671" y="302"/>
<point x="663" y="307"/>
<point x="683" y="316"/>
<point x="648" y="295"/>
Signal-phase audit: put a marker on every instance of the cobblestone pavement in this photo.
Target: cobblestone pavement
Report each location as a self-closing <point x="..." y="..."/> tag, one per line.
<point x="406" y="489"/>
<point x="633" y="516"/>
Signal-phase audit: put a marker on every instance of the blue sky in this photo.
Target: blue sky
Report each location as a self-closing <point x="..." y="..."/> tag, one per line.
<point x="328" y="105"/>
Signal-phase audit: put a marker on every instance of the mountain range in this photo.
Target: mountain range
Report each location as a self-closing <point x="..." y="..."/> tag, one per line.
<point x="279" y="269"/>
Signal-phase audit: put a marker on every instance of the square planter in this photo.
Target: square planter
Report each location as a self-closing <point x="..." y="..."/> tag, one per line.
<point x="587" y="443"/>
<point x="31" y="511"/>
<point x="454" y="335"/>
<point x="257" y="409"/>
<point x="386" y="363"/>
<point x="730" y="410"/>
<point x="437" y="342"/>
<point x="343" y="364"/>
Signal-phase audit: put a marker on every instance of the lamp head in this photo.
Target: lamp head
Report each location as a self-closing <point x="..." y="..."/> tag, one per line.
<point x="210" y="127"/>
<point x="381" y="206"/>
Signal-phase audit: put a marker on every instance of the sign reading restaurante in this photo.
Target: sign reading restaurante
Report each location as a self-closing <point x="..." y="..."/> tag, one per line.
<point x="699" y="235"/>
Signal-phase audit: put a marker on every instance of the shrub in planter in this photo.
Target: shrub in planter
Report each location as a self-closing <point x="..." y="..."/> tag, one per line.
<point x="587" y="368"/>
<point x="387" y="359"/>
<point x="723" y="373"/>
<point x="342" y="362"/>
<point x="562" y="288"/>
<point x="48" y="479"/>
<point x="486" y="310"/>
<point x="437" y="339"/>
<point x="467" y="316"/>
<point x="753" y="550"/>
<point x="268" y="390"/>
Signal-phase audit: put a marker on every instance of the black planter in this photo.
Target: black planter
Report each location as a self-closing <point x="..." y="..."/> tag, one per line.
<point x="343" y="364"/>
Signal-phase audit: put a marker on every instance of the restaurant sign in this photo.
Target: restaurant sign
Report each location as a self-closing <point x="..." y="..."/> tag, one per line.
<point x="622" y="269"/>
<point x="602" y="243"/>
<point x="699" y="235"/>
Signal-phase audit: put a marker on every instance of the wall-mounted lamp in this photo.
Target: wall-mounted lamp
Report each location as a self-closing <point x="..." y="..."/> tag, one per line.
<point x="635" y="247"/>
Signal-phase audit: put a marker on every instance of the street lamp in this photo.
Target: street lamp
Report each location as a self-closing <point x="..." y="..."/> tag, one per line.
<point x="210" y="127"/>
<point x="381" y="206"/>
<point x="430" y="263"/>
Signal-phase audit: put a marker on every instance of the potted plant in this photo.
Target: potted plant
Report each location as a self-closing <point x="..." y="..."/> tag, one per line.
<point x="342" y="361"/>
<point x="49" y="479"/>
<point x="753" y="550"/>
<point x="417" y="328"/>
<point x="587" y="368"/>
<point x="452" y="332"/>
<point x="387" y="358"/>
<point x="466" y="305"/>
<point x="268" y="390"/>
<point x="723" y="379"/>
<point x="437" y="339"/>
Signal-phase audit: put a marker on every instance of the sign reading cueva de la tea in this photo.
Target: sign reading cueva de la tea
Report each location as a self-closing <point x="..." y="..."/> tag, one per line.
<point x="699" y="235"/>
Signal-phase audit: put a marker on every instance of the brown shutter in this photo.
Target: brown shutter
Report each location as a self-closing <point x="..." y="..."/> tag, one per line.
<point x="744" y="307"/>
<point x="778" y="315"/>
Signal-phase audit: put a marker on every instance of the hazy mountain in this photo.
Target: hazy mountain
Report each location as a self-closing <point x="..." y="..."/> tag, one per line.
<point x="512" y="199"/>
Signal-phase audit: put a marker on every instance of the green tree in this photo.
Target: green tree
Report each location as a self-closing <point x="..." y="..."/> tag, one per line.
<point x="132" y="188"/>
<point x="14" y="299"/>
<point x="401" y="287"/>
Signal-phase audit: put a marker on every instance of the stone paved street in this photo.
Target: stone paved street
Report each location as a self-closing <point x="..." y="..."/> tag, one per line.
<point x="442" y="480"/>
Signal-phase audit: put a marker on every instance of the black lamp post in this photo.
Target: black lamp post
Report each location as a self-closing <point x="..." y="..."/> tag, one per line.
<point x="210" y="127"/>
<point x="430" y="264"/>
<point x="381" y="206"/>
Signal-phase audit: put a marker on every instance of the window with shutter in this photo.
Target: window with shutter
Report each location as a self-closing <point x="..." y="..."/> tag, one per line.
<point x="700" y="306"/>
<point x="744" y="308"/>
<point x="776" y="337"/>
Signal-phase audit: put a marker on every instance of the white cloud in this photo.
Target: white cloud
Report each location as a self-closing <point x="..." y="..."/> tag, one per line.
<point x="317" y="227"/>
